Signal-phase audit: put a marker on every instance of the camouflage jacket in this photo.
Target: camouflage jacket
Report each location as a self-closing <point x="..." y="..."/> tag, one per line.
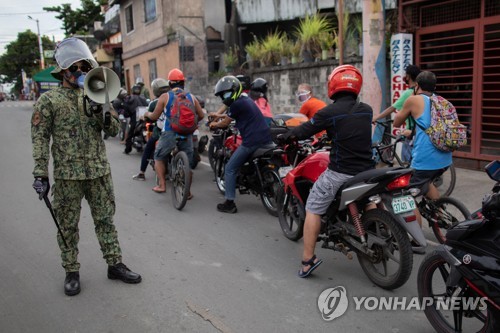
<point x="77" y="147"/>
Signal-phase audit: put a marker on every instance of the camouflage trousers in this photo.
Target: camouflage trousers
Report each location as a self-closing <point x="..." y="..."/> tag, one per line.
<point x="68" y="195"/>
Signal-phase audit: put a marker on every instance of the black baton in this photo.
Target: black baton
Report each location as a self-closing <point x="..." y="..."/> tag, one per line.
<point x="49" y="206"/>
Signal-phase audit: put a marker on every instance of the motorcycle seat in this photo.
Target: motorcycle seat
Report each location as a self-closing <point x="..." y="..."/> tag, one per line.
<point x="365" y="176"/>
<point x="462" y="230"/>
<point x="267" y="150"/>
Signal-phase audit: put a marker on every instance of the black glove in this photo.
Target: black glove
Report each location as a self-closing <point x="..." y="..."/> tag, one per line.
<point x="95" y="107"/>
<point x="41" y="186"/>
<point x="285" y="137"/>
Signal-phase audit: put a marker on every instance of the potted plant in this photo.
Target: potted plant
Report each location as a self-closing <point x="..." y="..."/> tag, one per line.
<point x="254" y="53"/>
<point x="271" y="48"/>
<point x="327" y="42"/>
<point x="308" y="33"/>
<point x="231" y="59"/>
<point x="286" y="50"/>
<point x="297" y="47"/>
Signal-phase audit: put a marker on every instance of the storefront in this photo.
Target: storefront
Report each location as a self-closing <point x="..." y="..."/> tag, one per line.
<point x="459" y="41"/>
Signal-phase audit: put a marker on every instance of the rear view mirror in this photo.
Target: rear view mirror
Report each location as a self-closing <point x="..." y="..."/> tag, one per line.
<point x="493" y="170"/>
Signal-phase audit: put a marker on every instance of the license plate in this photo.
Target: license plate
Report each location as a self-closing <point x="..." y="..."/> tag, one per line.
<point x="283" y="171"/>
<point x="403" y="204"/>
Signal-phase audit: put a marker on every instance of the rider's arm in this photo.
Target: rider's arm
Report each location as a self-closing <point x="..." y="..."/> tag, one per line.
<point x="199" y="110"/>
<point x="384" y="114"/>
<point x="223" y="122"/>
<point x="222" y="109"/>
<point x="315" y="125"/>
<point x="410" y="107"/>
<point x="160" y="106"/>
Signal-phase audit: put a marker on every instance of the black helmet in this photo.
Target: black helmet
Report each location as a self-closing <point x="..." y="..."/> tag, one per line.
<point x="245" y="81"/>
<point x="259" y="85"/>
<point x="136" y="89"/>
<point x="229" y="89"/>
<point x="159" y="86"/>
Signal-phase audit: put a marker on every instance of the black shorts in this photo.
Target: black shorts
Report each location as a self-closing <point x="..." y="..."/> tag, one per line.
<point x="421" y="178"/>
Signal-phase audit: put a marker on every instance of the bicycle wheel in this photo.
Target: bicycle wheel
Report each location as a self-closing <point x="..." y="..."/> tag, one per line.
<point x="445" y="213"/>
<point x="446" y="182"/>
<point x="432" y="281"/>
<point x="181" y="180"/>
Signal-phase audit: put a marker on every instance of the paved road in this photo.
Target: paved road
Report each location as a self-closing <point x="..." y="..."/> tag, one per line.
<point x="203" y="271"/>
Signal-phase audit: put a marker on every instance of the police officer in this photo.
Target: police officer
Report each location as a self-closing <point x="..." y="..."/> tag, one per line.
<point x="81" y="168"/>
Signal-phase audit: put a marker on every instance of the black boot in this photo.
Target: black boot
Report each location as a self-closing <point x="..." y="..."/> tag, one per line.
<point x="121" y="272"/>
<point x="72" y="283"/>
<point x="227" y="206"/>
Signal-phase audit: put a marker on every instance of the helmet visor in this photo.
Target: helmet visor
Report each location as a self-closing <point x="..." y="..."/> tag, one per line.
<point x="72" y="50"/>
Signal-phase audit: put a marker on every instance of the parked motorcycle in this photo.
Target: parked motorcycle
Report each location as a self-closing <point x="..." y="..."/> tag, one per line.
<point x="258" y="175"/>
<point x="380" y="242"/>
<point x="464" y="273"/>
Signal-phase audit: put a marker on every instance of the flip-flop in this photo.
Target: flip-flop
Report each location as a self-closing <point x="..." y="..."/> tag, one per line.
<point x="311" y="263"/>
<point x="157" y="190"/>
<point x="190" y="196"/>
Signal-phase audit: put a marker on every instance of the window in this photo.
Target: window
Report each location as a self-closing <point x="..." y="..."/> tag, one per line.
<point x="152" y="70"/>
<point x="137" y="73"/>
<point x="129" y="18"/>
<point x="149" y="10"/>
<point x="186" y="53"/>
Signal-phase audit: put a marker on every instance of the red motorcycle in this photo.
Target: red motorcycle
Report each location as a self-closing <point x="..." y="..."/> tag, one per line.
<point x="356" y="221"/>
<point x="258" y="175"/>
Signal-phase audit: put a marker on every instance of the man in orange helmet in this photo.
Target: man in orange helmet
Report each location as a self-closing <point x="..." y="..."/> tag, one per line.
<point x="348" y="124"/>
<point x="168" y="139"/>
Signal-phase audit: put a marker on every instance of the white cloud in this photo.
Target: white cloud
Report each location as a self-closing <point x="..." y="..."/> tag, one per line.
<point x="14" y="18"/>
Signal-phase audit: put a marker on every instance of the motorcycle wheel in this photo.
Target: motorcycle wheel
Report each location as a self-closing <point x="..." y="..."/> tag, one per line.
<point x="181" y="180"/>
<point x="212" y="150"/>
<point x="220" y="166"/>
<point x="391" y="265"/>
<point x="290" y="215"/>
<point x="446" y="182"/>
<point x="446" y="212"/>
<point x="431" y="284"/>
<point x="271" y="182"/>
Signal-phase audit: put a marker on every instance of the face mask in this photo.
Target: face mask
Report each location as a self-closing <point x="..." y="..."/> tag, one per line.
<point x="76" y="76"/>
<point x="226" y="95"/>
<point x="303" y="96"/>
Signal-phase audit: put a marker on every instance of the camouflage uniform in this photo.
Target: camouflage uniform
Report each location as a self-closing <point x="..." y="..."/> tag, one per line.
<point x="81" y="169"/>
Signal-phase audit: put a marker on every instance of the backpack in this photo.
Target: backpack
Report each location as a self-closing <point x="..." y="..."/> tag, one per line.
<point x="183" y="118"/>
<point x="445" y="132"/>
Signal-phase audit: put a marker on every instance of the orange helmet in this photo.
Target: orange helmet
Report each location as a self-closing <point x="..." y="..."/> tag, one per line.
<point x="175" y="75"/>
<point x="344" y="78"/>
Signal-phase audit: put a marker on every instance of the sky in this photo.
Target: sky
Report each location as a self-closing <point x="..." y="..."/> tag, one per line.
<point x="14" y="19"/>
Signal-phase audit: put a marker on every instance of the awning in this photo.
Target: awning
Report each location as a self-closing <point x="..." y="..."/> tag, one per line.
<point x="45" y="76"/>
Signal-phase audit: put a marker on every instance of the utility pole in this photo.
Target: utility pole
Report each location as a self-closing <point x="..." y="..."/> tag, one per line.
<point x="42" y="62"/>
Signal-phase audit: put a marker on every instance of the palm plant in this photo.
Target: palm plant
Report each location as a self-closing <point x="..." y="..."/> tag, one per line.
<point x="231" y="58"/>
<point x="309" y="30"/>
<point x="271" y="47"/>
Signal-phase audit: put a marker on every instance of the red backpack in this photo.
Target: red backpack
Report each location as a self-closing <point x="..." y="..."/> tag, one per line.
<point x="183" y="118"/>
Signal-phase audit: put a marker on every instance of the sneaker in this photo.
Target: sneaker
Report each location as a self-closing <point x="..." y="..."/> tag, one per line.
<point x="139" y="176"/>
<point x="227" y="207"/>
<point x="121" y="272"/>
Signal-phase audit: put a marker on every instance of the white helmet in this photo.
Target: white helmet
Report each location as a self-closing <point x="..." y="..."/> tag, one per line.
<point x="71" y="50"/>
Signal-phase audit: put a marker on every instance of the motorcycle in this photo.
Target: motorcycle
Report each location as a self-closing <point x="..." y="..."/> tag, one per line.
<point x="462" y="276"/>
<point x="352" y="223"/>
<point x="258" y="175"/>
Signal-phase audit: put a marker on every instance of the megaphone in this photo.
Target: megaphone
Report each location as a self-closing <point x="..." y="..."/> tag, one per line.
<point x="99" y="82"/>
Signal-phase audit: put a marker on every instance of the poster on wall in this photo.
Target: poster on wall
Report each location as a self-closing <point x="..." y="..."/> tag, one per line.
<point x="401" y="57"/>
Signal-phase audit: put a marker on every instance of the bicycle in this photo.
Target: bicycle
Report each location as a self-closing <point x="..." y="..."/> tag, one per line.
<point x="386" y="151"/>
<point x="441" y="214"/>
<point x="178" y="172"/>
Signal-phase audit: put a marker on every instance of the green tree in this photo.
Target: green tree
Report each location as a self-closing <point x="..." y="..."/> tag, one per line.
<point x="22" y="54"/>
<point x="78" y="21"/>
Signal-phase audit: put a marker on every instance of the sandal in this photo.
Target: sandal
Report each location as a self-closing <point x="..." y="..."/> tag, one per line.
<point x="311" y="263"/>
<point x="158" y="190"/>
<point x="190" y="196"/>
